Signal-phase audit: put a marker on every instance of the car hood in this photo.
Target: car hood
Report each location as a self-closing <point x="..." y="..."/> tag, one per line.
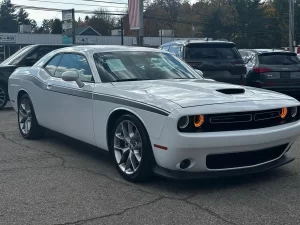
<point x="194" y="92"/>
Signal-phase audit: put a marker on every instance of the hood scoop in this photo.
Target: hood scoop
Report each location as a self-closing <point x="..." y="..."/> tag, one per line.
<point x="231" y="91"/>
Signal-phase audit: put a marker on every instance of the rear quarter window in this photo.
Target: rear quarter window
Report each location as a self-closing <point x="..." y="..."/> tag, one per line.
<point x="278" y="59"/>
<point x="210" y="51"/>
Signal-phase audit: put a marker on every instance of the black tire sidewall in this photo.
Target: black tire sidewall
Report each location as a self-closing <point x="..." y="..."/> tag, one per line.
<point x="147" y="159"/>
<point x="4" y="88"/>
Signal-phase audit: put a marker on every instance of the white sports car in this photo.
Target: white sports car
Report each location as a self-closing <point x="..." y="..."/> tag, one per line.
<point x="154" y="113"/>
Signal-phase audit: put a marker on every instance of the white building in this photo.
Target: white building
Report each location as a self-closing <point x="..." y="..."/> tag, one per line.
<point x="12" y="42"/>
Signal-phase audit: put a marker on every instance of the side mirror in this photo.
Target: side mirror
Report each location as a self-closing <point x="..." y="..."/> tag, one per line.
<point x="72" y="76"/>
<point x="199" y="72"/>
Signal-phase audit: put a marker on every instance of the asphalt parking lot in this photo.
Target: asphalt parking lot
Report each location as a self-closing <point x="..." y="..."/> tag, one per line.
<point x="57" y="180"/>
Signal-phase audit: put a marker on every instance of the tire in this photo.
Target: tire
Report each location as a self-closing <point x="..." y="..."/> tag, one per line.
<point x="27" y="122"/>
<point x="140" y="150"/>
<point x="3" y="96"/>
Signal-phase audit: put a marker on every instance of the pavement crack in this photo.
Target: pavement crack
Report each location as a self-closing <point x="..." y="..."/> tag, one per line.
<point x="79" y="222"/>
<point x="32" y="148"/>
<point x="209" y="211"/>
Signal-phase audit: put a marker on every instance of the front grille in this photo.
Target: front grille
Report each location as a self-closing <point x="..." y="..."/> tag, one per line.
<point x="244" y="159"/>
<point x="243" y="121"/>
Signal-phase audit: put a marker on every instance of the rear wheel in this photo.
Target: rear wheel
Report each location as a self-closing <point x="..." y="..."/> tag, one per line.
<point x="131" y="148"/>
<point x="3" y="96"/>
<point x="28" y="125"/>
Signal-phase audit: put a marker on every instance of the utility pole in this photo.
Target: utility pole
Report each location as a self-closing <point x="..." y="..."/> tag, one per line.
<point x="122" y="34"/>
<point x="140" y="41"/>
<point x="291" y="24"/>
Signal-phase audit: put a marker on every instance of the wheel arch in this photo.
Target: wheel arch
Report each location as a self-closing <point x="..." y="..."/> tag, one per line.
<point x="114" y="114"/>
<point x="21" y="92"/>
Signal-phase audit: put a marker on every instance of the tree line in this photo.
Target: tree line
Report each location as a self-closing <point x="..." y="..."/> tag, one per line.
<point x="248" y="23"/>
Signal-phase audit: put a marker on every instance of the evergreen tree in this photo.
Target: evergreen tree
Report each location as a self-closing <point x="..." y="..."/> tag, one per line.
<point x="8" y="18"/>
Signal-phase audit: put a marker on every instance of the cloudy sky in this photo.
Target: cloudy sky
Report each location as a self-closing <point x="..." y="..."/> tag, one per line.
<point x="88" y="5"/>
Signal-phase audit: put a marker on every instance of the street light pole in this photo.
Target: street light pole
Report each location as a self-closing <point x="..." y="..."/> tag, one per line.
<point x="291" y="24"/>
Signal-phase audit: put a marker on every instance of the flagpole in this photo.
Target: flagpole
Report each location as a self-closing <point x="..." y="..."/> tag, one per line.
<point x="141" y="22"/>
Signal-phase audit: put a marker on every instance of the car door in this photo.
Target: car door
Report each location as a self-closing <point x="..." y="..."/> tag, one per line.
<point x="69" y="107"/>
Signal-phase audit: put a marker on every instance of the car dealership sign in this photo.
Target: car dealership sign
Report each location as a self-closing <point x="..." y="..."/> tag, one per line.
<point x="7" y="38"/>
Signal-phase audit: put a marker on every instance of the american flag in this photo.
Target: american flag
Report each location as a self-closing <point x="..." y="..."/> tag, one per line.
<point x="133" y="13"/>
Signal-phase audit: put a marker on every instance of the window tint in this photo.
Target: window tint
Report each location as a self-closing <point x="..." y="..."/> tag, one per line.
<point x="122" y="66"/>
<point x="36" y="55"/>
<point x="278" y="59"/>
<point x="75" y="62"/>
<point x="175" y="50"/>
<point x="209" y="51"/>
<point x="52" y="64"/>
<point x="166" y="48"/>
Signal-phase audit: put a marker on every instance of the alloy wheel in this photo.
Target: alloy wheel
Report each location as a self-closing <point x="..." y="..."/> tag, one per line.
<point x="25" y="116"/>
<point x="128" y="147"/>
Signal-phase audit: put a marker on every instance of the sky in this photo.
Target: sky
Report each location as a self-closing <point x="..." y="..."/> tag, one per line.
<point x="38" y="16"/>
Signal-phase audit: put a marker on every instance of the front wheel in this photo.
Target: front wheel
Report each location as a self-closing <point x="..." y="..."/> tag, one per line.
<point x="131" y="148"/>
<point x="28" y="125"/>
<point x="3" y="96"/>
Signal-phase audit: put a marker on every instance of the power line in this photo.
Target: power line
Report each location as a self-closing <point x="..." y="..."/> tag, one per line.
<point x="59" y="10"/>
<point x="70" y="3"/>
<point x="120" y="3"/>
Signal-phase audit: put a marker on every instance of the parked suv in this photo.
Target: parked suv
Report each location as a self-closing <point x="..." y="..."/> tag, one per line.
<point x="218" y="60"/>
<point x="26" y="56"/>
<point x="275" y="70"/>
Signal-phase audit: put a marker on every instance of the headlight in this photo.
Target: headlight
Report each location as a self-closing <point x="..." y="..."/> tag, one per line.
<point x="183" y="122"/>
<point x="283" y="113"/>
<point x="198" y="120"/>
<point x="294" y="111"/>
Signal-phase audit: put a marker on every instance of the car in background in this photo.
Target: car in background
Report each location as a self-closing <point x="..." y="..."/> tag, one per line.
<point x="154" y="113"/>
<point x="26" y="56"/>
<point x="218" y="60"/>
<point x="276" y="70"/>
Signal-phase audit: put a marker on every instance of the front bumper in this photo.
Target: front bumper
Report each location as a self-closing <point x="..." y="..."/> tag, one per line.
<point x="183" y="175"/>
<point x="196" y="147"/>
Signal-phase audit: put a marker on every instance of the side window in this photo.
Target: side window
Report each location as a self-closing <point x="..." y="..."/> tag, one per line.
<point x="166" y="48"/>
<point x="75" y="62"/>
<point x="37" y="54"/>
<point x="52" y="64"/>
<point x="175" y="50"/>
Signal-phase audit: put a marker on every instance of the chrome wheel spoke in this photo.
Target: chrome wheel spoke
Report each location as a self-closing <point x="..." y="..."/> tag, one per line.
<point x="133" y="161"/>
<point x="124" y="157"/>
<point x="137" y="155"/>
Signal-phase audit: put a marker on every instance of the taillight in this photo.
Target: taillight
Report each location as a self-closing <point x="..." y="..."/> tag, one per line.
<point x="261" y="70"/>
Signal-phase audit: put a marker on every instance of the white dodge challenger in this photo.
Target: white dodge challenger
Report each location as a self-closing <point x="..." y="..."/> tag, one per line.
<point x="154" y="113"/>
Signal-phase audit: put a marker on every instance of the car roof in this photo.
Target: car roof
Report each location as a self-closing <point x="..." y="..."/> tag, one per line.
<point x="104" y="48"/>
<point x="195" y="41"/>
<point x="260" y="51"/>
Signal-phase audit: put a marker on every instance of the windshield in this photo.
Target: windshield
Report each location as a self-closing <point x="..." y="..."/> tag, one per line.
<point x="210" y="51"/>
<point x="15" y="58"/>
<point x="278" y="59"/>
<point x="126" y="66"/>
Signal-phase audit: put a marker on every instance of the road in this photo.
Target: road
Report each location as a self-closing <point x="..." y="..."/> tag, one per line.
<point x="57" y="180"/>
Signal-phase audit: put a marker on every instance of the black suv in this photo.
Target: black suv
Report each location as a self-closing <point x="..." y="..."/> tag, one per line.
<point x="275" y="70"/>
<point x="218" y="60"/>
<point x="26" y="56"/>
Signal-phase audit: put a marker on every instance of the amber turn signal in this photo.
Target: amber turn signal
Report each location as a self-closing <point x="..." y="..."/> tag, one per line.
<point x="283" y="113"/>
<point x="198" y="120"/>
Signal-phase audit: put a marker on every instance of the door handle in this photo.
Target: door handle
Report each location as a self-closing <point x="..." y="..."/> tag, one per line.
<point x="49" y="86"/>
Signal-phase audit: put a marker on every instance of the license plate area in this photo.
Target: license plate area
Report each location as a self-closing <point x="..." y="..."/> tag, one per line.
<point x="285" y="75"/>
